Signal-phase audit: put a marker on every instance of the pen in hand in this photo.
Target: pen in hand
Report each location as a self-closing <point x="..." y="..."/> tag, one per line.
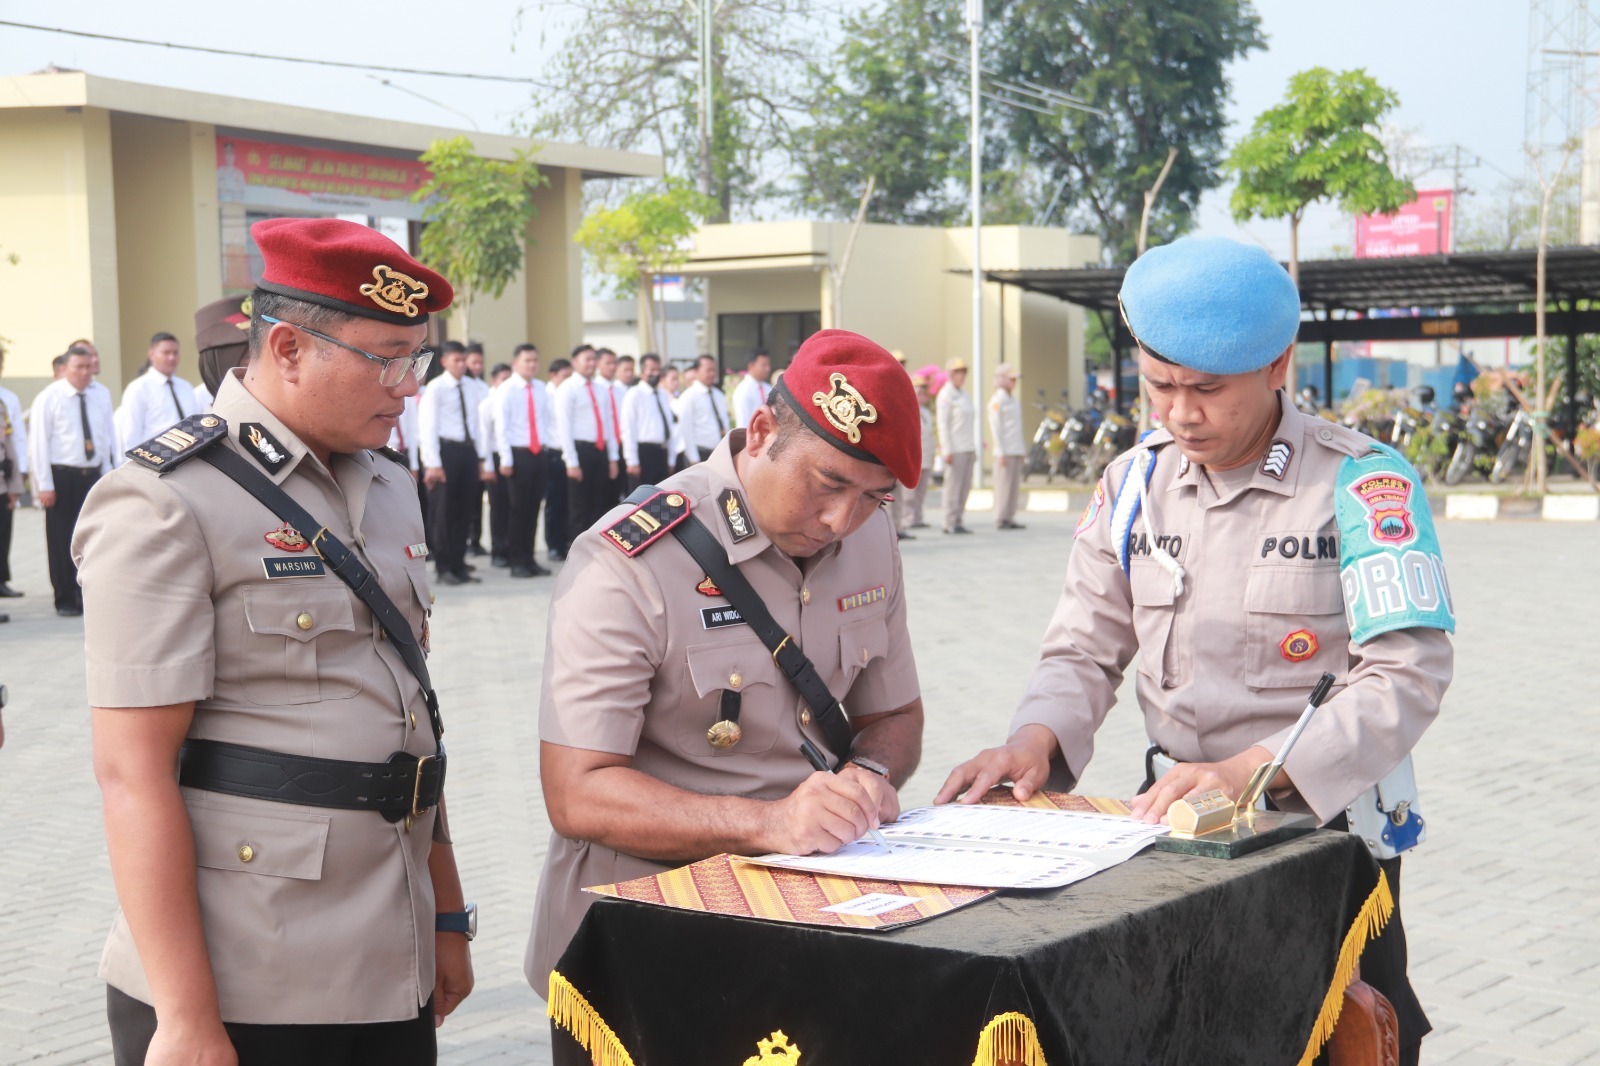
<point x="814" y="757"/>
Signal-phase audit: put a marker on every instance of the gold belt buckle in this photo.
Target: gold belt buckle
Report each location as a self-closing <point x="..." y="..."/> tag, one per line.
<point x="416" y="788"/>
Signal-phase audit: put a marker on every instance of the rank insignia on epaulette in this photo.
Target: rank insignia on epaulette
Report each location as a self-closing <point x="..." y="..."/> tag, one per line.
<point x="647" y="523"/>
<point x="179" y="442"/>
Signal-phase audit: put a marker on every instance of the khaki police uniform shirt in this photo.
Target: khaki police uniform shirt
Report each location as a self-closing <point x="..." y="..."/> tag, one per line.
<point x="331" y="918"/>
<point x="1005" y="424"/>
<point x="636" y="662"/>
<point x="953" y="412"/>
<point x="1261" y="558"/>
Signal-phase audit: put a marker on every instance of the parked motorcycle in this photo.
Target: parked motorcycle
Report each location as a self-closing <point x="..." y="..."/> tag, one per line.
<point x="1117" y="433"/>
<point x="1483" y="434"/>
<point x="1045" y="444"/>
<point x="1077" y="441"/>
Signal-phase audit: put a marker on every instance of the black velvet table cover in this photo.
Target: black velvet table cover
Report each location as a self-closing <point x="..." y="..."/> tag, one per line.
<point x="1165" y="959"/>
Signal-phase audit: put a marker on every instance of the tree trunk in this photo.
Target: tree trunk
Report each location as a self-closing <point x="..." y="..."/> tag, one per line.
<point x="1294" y="248"/>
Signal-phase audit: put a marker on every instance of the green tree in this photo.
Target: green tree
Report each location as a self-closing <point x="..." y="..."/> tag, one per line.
<point x="887" y="108"/>
<point x="641" y="238"/>
<point x="478" y="211"/>
<point x="633" y="69"/>
<point x="1159" y="68"/>
<point x="1321" y="143"/>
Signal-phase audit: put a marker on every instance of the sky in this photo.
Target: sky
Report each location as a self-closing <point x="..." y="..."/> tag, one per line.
<point x="1459" y="67"/>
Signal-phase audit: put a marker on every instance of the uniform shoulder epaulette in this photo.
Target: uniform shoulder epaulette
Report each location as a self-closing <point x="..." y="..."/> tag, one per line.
<point x="647" y="523"/>
<point x="179" y="443"/>
<point x="1337" y="437"/>
<point x="392" y="455"/>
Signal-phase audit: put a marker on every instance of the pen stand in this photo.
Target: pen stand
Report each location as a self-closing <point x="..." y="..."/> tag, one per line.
<point x="1212" y="826"/>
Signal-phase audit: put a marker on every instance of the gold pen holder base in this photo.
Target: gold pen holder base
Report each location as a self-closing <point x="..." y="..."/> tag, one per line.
<point x="1244" y="834"/>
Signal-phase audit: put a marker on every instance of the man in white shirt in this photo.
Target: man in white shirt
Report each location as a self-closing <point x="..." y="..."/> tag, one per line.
<point x="955" y="420"/>
<point x="650" y="444"/>
<point x="589" y="442"/>
<point x="702" y="411"/>
<point x="751" y="392"/>
<point x="627" y="372"/>
<point x="606" y="365"/>
<point x="156" y="399"/>
<point x="494" y="487"/>
<point x="524" y="423"/>
<point x="453" y="451"/>
<point x="13" y="428"/>
<point x="557" y="527"/>
<point x="1005" y="429"/>
<point x="72" y="441"/>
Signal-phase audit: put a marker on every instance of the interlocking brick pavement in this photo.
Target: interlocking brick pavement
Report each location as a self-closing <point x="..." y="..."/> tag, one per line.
<point x="1500" y="905"/>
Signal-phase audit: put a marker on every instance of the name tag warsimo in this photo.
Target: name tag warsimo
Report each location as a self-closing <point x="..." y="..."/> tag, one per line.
<point x="297" y="567"/>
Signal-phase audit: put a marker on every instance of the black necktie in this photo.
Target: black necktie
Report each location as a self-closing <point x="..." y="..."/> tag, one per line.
<point x="461" y="394"/>
<point x="665" y="428"/>
<point x="722" y="428"/>
<point x="83" y="420"/>
<point x="174" y="390"/>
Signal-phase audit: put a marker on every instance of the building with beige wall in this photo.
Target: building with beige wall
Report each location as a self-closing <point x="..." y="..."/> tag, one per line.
<point x="770" y="284"/>
<point x="128" y="205"/>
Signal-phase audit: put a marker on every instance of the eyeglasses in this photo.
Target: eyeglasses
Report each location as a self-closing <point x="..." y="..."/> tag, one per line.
<point x="392" y="370"/>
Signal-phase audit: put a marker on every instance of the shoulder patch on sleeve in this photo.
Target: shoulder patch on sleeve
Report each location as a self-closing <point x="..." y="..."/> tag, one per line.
<point x="647" y="523"/>
<point x="1390" y="566"/>
<point x="179" y="443"/>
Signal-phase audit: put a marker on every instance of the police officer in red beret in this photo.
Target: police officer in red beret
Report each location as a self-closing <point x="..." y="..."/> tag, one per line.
<point x="256" y="605"/>
<point x="727" y="662"/>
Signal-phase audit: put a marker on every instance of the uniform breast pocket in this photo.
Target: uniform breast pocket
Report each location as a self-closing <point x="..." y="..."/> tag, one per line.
<point x="1294" y="627"/>
<point x="298" y="643"/>
<point x="860" y="643"/>
<point x="744" y="667"/>
<point x="1154" y="616"/>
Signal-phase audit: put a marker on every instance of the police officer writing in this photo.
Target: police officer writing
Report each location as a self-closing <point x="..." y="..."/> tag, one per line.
<point x="669" y="728"/>
<point x="290" y="894"/>
<point x="1242" y="550"/>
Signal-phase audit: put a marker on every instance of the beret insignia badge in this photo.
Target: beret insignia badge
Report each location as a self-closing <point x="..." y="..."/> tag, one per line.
<point x="394" y="291"/>
<point x="845" y="407"/>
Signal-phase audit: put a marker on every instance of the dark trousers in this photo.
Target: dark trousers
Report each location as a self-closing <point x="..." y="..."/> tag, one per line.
<point x="499" y="512"/>
<point x="5" y="543"/>
<point x="652" y="465"/>
<point x="525" y="489"/>
<point x="450" y="505"/>
<point x="589" y="499"/>
<point x="72" y="487"/>
<point x="407" y="1043"/>
<point x="556" y="535"/>
<point x="475" y="515"/>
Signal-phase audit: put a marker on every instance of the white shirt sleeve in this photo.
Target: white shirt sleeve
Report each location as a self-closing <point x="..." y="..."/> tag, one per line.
<point x="563" y="405"/>
<point x="489" y="426"/>
<point x="42" y="418"/>
<point x="428" y="425"/>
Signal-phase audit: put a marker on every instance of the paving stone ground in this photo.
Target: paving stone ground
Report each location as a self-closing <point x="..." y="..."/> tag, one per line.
<point x="1500" y="904"/>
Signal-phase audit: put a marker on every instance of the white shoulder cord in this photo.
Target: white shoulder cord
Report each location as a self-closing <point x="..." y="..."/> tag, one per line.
<point x="1161" y="555"/>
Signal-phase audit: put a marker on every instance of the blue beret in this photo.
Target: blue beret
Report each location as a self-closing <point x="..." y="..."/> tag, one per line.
<point x="1210" y="304"/>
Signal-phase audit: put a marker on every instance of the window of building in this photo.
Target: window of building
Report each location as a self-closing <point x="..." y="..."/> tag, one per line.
<point x="778" y="333"/>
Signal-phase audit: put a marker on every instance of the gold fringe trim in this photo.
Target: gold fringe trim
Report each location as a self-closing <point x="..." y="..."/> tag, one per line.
<point x="1009" y="1039"/>
<point x="568" y="1009"/>
<point x="1369" y="923"/>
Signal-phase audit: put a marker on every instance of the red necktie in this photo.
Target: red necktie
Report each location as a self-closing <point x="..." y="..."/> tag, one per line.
<point x="599" y="426"/>
<point x="533" y="422"/>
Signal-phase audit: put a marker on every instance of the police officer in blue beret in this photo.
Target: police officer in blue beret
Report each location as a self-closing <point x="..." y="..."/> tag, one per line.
<point x="1241" y="550"/>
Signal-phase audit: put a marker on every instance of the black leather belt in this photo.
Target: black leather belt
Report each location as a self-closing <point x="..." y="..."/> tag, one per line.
<point x="405" y="785"/>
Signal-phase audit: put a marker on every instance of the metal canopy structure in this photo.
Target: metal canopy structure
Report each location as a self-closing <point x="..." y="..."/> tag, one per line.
<point x="1457" y="296"/>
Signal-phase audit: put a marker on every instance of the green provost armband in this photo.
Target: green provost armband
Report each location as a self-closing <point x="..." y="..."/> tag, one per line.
<point x="1389" y="561"/>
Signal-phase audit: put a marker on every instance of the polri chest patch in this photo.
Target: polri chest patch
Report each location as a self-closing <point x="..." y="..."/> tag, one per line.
<point x="263" y="447"/>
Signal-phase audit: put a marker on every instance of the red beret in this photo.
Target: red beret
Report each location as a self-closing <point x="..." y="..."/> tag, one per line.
<point x="348" y="267"/>
<point x="853" y="394"/>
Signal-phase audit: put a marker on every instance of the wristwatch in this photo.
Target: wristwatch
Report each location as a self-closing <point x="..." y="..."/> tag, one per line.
<point x="458" y="921"/>
<point x="870" y="766"/>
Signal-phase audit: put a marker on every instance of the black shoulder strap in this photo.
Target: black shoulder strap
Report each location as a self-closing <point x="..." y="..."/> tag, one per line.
<point x="706" y="550"/>
<point x="342" y="561"/>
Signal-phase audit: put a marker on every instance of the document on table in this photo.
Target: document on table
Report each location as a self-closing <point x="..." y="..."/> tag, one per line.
<point x="985" y="847"/>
